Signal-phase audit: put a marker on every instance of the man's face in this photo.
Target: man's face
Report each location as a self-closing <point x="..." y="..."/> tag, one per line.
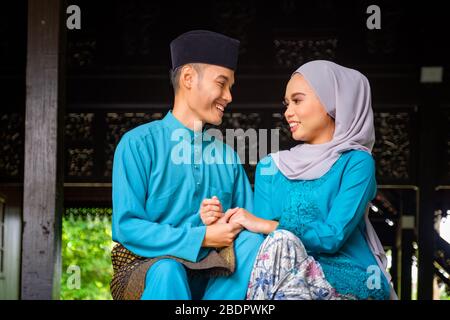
<point x="210" y="93"/>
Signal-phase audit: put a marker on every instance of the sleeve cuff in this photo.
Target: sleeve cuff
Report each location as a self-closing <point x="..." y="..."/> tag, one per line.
<point x="196" y="236"/>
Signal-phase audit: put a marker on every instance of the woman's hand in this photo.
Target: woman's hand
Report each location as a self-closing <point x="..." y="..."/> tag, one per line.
<point x="251" y="222"/>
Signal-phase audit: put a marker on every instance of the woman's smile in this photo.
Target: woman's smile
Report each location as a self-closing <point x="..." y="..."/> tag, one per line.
<point x="294" y="125"/>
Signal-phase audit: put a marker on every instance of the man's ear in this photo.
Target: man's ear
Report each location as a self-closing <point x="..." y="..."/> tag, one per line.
<point x="187" y="76"/>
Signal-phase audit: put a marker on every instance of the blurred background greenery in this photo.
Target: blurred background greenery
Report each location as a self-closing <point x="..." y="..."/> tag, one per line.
<point x="86" y="243"/>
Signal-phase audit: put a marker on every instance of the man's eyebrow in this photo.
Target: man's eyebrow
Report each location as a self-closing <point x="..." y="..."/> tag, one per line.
<point x="224" y="78"/>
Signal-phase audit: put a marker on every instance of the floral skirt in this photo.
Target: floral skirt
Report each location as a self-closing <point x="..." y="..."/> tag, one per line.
<point x="284" y="271"/>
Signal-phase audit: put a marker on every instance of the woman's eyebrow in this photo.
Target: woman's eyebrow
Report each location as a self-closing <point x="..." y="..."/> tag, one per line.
<point x="297" y="93"/>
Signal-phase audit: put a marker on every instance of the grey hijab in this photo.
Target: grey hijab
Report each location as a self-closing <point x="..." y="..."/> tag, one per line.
<point x="345" y="94"/>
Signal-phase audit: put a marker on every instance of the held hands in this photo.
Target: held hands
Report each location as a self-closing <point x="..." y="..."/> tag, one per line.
<point x="221" y="235"/>
<point x="219" y="231"/>
<point x="211" y="212"/>
<point x="249" y="221"/>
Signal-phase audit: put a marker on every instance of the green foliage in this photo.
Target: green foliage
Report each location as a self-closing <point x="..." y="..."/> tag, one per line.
<point x="86" y="243"/>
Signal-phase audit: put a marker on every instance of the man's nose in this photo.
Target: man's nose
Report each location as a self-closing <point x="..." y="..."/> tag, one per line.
<point x="227" y="96"/>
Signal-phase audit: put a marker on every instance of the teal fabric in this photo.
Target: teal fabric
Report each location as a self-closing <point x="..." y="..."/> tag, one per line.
<point x="156" y="199"/>
<point x="168" y="279"/>
<point x="327" y="214"/>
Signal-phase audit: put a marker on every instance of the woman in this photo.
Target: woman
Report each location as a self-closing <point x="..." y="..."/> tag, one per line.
<point x="312" y="200"/>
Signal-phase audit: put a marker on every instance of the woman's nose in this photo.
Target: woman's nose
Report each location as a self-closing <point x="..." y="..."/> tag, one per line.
<point x="288" y="113"/>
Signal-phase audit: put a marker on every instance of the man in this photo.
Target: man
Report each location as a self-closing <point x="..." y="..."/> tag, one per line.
<point x="160" y="179"/>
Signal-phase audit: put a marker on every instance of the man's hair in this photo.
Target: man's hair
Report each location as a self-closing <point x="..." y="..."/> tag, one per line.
<point x="175" y="74"/>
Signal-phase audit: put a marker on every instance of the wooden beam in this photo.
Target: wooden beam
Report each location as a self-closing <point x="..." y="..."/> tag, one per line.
<point x="406" y="253"/>
<point x="43" y="185"/>
<point x="429" y="126"/>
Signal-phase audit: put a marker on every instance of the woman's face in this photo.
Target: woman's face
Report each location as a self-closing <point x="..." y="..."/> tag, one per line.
<point x="305" y="114"/>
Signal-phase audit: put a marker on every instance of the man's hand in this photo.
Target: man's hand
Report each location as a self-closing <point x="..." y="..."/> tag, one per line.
<point x="221" y="235"/>
<point x="211" y="211"/>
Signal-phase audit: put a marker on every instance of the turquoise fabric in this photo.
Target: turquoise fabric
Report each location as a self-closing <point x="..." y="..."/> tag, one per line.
<point x="156" y="197"/>
<point x="327" y="214"/>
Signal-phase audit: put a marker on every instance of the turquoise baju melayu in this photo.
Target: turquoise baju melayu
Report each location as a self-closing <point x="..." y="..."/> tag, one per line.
<point x="159" y="182"/>
<point x="327" y="215"/>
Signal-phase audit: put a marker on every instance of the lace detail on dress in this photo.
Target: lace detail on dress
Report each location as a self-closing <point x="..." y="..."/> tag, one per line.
<point x="300" y="208"/>
<point x="348" y="278"/>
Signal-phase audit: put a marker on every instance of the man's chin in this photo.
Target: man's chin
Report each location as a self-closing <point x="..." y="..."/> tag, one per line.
<point x="215" y="120"/>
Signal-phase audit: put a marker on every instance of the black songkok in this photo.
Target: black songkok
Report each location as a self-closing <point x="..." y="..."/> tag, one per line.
<point x="201" y="46"/>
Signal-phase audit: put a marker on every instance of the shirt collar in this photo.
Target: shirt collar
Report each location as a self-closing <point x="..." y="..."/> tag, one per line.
<point x="173" y="123"/>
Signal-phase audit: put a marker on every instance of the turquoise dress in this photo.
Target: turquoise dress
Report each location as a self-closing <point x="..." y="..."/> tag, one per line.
<point x="161" y="172"/>
<point x="327" y="215"/>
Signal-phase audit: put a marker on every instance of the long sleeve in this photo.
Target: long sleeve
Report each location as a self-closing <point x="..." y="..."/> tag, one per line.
<point x="132" y="225"/>
<point x="358" y="187"/>
<point x="242" y="194"/>
<point x="263" y="189"/>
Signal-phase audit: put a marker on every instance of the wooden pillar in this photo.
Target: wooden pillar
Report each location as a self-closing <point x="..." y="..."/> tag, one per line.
<point x="407" y="251"/>
<point x="43" y="180"/>
<point x="428" y="128"/>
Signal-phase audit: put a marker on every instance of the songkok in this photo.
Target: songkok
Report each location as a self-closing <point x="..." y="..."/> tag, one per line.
<point x="202" y="46"/>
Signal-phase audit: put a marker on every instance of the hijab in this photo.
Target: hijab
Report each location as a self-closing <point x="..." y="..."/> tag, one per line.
<point x="345" y="94"/>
